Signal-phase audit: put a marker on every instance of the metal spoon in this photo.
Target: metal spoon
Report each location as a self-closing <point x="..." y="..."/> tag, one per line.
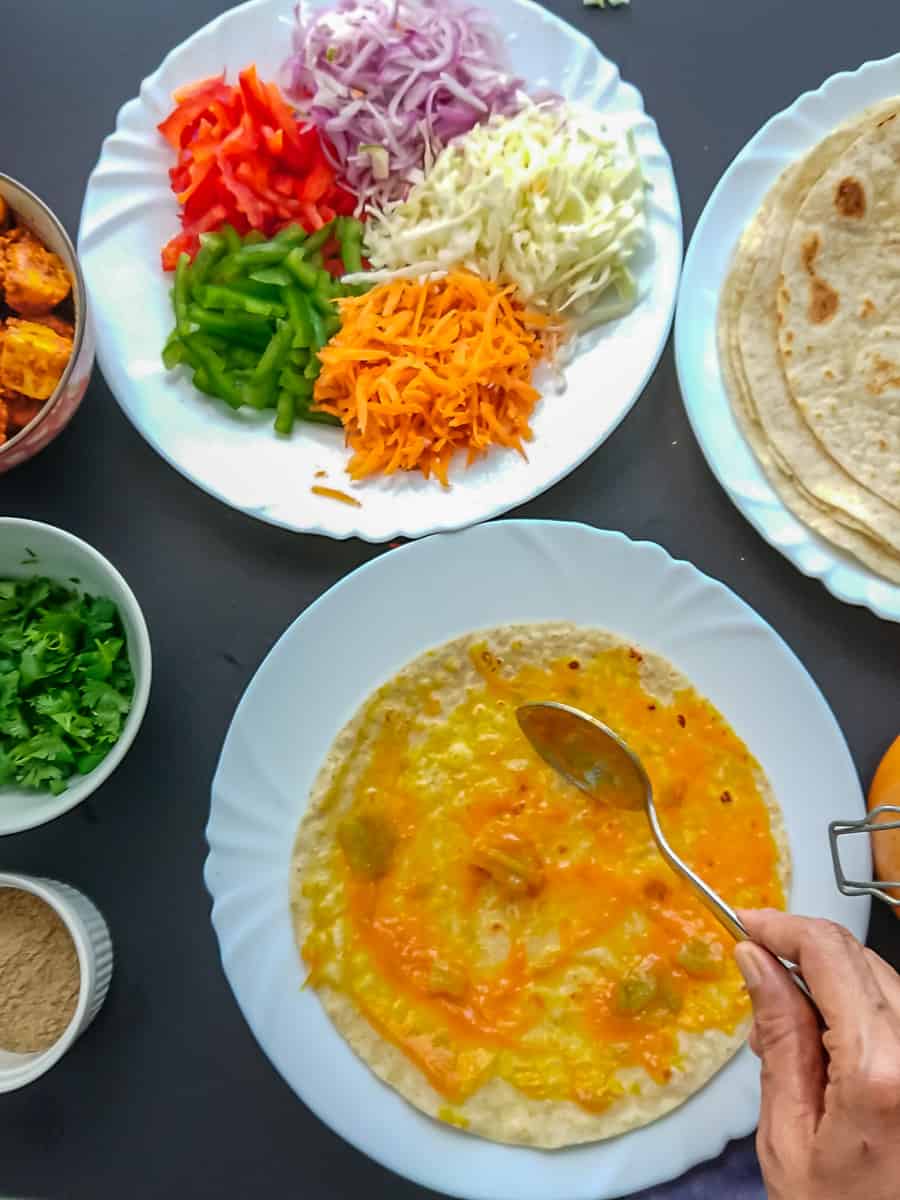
<point x="596" y="760"/>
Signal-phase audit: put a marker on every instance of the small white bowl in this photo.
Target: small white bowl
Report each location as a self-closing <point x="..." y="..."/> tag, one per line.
<point x="32" y="548"/>
<point x="95" y="957"/>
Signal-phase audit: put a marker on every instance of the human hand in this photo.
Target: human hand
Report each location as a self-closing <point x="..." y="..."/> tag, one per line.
<point x="829" y="1126"/>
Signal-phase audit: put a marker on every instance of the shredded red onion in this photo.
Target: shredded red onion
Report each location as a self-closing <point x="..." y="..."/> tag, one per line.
<point x="400" y="78"/>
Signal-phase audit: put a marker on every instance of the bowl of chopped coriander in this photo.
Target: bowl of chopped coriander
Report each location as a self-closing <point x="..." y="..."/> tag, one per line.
<point x="75" y="668"/>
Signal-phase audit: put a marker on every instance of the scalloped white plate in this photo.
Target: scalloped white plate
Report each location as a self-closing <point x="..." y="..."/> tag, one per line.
<point x="129" y="212"/>
<point x="737" y="196"/>
<point x="323" y="668"/>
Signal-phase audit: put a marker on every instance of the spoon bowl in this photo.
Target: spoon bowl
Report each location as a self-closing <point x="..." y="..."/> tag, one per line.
<point x="587" y="753"/>
<point x="596" y="760"/>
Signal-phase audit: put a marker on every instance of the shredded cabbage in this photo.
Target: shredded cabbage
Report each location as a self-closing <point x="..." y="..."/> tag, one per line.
<point x="391" y="82"/>
<point x="549" y="200"/>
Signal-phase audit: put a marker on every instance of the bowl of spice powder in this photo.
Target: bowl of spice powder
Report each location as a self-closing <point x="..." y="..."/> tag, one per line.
<point x="55" y="966"/>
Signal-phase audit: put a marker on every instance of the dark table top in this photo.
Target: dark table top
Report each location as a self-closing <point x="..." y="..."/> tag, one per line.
<point x="168" y="1094"/>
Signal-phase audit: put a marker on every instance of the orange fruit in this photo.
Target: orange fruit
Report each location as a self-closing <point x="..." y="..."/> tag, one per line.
<point x="885" y="789"/>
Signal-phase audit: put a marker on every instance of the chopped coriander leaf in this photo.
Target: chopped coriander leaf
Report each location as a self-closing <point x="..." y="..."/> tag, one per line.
<point x="66" y="684"/>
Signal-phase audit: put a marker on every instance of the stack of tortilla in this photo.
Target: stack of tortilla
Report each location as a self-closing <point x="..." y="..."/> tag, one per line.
<point x="809" y="337"/>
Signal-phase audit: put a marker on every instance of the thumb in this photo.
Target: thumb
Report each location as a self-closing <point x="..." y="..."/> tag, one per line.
<point x="786" y="1037"/>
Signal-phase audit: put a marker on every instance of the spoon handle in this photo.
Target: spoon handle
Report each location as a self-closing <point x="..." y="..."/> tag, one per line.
<point x="717" y="906"/>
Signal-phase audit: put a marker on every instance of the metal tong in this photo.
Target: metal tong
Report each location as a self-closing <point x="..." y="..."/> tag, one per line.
<point x="869" y="824"/>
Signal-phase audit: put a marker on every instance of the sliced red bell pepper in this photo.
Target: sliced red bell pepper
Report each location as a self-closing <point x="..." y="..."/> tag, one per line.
<point x="317" y="182"/>
<point x="256" y="102"/>
<point x="191" y="108"/>
<point x="189" y="238"/>
<point x="190" y="90"/>
<point x="310" y="217"/>
<point x="179" y="177"/>
<point x="244" y="158"/>
<point x="208" y="194"/>
<point x="283" y="183"/>
<point x="242" y="139"/>
<point x="274" y="140"/>
<point x="199" y="174"/>
<point x="344" y="201"/>
<point x="300" y="142"/>
<point x="246" y="196"/>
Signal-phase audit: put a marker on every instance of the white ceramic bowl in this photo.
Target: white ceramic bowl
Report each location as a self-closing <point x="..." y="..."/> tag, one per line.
<point x="31" y="548"/>
<point x="95" y="957"/>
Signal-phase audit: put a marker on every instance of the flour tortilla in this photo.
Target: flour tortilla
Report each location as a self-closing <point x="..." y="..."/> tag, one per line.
<point x="809" y="481"/>
<point x="497" y="1110"/>
<point x="803" y="504"/>
<point x="840" y="308"/>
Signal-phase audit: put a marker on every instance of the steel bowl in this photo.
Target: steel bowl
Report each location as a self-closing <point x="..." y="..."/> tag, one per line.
<point x="61" y="406"/>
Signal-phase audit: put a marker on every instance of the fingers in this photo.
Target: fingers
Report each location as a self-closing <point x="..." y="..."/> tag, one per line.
<point x="787" y="1039"/>
<point x="833" y="962"/>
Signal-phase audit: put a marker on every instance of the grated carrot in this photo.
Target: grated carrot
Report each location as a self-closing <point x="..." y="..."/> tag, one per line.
<point x="335" y="494"/>
<point x="420" y="370"/>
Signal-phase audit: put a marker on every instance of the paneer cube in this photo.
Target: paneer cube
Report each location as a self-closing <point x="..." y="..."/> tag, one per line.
<point x="32" y="358"/>
<point x="59" y="324"/>
<point x="510" y="858"/>
<point x="16" y="411"/>
<point x="34" y="280"/>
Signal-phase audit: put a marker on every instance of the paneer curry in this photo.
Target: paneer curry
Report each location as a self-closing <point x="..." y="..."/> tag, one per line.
<point x="37" y="327"/>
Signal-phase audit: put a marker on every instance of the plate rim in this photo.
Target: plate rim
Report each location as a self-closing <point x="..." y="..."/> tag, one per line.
<point x="448" y="524"/>
<point x="746" y="613"/>
<point x="826" y="559"/>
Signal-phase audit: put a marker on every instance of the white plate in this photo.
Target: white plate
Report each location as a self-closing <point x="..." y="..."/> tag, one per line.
<point x="129" y="212"/>
<point x="737" y="196"/>
<point x="322" y="669"/>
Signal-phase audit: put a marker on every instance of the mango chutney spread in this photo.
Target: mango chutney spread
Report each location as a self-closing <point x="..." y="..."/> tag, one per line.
<point x="509" y="954"/>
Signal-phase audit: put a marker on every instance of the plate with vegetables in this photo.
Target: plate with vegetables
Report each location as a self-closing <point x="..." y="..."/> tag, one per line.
<point x="378" y="268"/>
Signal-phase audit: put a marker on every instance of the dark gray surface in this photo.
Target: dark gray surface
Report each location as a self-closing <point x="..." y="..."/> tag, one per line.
<point x="168" y="1094"/>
